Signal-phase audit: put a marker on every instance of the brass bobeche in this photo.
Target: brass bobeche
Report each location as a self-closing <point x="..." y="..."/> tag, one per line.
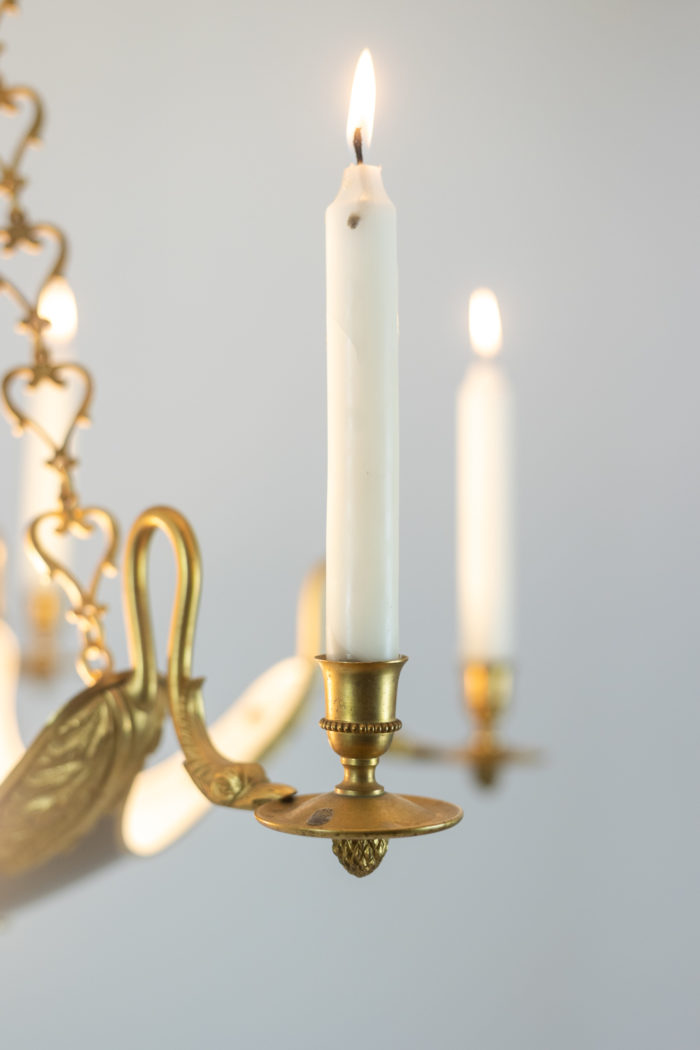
<point x="358" y="815"/>
<point x="488" y="689"/>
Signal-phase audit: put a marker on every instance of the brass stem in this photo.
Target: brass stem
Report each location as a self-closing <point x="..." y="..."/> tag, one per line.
<point x="488" y="688"/>
<point x="359" y="777"/>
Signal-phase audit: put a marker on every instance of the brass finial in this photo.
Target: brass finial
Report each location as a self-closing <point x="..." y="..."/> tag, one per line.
<point x="360" y="857"/>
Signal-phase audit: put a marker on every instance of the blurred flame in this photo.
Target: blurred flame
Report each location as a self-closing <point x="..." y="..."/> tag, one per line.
<point x="485" y="330"/>
<point x="57" y="305"/>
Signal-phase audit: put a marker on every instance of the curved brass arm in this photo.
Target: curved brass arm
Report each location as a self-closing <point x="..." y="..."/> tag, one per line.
<point x="83" y="765"/>
<point x="243" y="785"/>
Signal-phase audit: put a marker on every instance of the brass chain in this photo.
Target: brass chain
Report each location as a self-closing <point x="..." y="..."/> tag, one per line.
<point x="23" y="235"/>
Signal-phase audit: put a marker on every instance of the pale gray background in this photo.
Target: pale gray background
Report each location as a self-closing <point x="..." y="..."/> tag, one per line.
<point x="551" y="151"/>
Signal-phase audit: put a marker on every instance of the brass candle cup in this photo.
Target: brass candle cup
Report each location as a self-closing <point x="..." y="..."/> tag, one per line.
<point x="488" y="689"/>
<point x="359" y="816"/>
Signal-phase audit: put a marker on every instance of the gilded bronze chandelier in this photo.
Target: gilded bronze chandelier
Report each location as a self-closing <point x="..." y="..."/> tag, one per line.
<point x="83" y="765"/>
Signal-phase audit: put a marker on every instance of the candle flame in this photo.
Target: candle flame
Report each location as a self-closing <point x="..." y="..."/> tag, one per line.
<point x="57" y="305"/>
<point x="362" y="99"/>
<point x="485" y="330"/>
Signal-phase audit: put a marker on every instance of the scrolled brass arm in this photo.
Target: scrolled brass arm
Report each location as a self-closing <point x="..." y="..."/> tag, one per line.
<point x="243" y="785"/>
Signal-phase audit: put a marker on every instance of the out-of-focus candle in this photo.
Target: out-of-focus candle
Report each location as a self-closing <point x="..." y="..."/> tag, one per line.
<point x="363" y="407"/>
<point x="57" y="305"/>
<point x="11" y="746"/>
<point x="53" y="407"/>
<point x="485" y="554"/>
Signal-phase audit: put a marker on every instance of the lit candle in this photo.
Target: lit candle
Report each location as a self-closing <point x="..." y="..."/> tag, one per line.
<point x="485" y="493"/>
<point x="53" y="407"/>
<point x="363" y="409"/>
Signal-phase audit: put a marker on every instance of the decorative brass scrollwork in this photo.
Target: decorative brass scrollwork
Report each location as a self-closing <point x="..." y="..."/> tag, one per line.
<point x="83" y="763"/>
<point x="69" y="516"/>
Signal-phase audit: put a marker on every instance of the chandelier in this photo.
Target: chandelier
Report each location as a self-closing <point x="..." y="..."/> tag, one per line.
<point x="88" y="762"/>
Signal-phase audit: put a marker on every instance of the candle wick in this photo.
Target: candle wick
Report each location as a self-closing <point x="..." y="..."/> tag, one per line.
<point x="357" y="143"/>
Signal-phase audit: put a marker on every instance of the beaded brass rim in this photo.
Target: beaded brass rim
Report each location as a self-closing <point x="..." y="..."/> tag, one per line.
<point x="332" y="726"/>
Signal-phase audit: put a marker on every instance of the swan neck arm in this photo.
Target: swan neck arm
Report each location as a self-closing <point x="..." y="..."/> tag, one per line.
<point x="139" y="625"/>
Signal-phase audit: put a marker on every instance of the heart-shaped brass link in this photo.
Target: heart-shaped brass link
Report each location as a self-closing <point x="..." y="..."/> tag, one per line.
<point x="11" y="182"/>
<point x="33" y="375"/>
<point x="21" y="234"/>
<point x="86" y="613"/>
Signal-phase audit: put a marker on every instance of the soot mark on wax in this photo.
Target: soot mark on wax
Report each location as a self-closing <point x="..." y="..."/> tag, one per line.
<point x="353" y="221"/>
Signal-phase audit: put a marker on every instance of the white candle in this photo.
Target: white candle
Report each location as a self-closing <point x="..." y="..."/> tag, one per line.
<point x="52" y="407"/>
<point x="363" y="418"/>
<point x="485" y="494"/>
<point x="11" y="746"/>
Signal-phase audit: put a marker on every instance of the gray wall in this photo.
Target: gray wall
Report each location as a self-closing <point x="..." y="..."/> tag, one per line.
<point x="550" y="151"/>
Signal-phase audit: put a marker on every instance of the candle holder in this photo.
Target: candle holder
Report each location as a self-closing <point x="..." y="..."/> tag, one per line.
<point x="488" y="689"/>
<point x="358" y="815"/>
<point x="83" y="764"/>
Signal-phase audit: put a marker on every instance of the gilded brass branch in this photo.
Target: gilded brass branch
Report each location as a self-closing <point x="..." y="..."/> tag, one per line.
<point x="223" y="781"/>
<point x="82" y="765"/>
<point x="86" y="761"/>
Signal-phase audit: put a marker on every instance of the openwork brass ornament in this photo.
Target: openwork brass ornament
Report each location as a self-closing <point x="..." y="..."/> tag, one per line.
<point x="21" y="234"/>
<point x="488" y="688"/>
<point x="359" y="816"/>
